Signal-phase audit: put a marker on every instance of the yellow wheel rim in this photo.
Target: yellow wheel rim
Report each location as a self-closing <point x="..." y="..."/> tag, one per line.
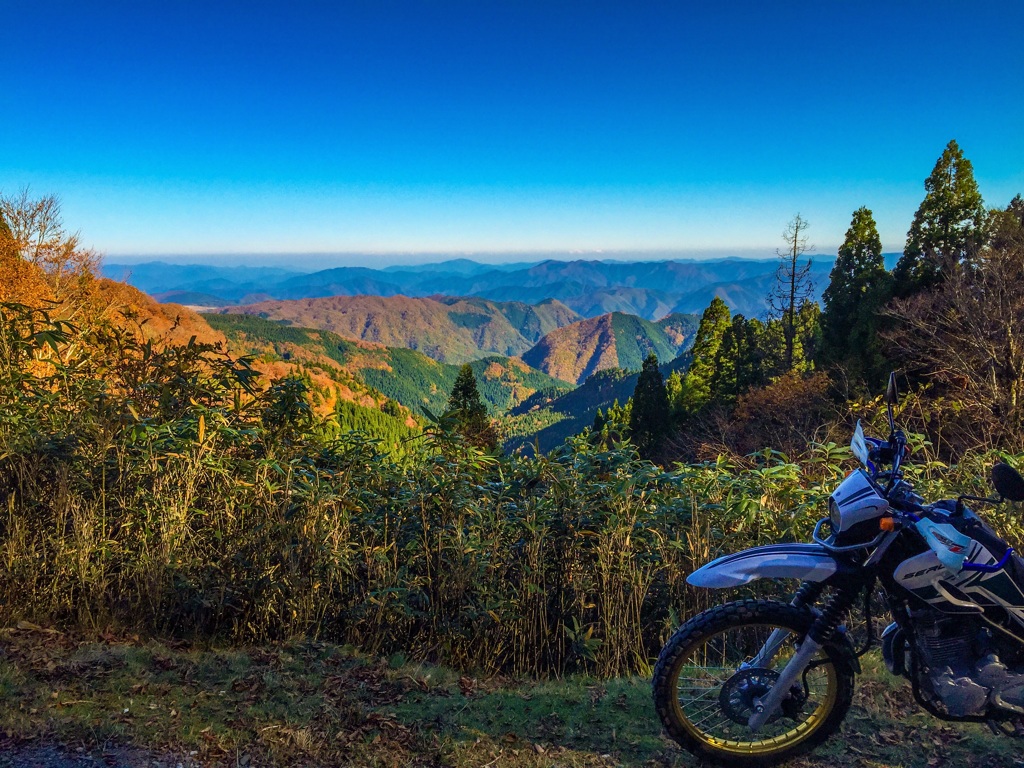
<point x="702" y="717"/>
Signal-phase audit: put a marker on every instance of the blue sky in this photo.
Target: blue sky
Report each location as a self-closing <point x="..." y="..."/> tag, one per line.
<point x="516" y="126"/>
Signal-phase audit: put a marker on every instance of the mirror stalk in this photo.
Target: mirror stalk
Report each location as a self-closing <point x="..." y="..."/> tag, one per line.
<point x="892" y="397"/>
<point x="959" y="511"/>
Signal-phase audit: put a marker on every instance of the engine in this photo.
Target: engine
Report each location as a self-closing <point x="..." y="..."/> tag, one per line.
<point x="963" y="667"/>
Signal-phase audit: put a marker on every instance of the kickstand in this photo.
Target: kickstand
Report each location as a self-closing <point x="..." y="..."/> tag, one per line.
<point x="1015" y="731"/>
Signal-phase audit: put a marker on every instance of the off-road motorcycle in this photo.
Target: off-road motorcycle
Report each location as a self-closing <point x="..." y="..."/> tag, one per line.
<point x="755" y="682"/>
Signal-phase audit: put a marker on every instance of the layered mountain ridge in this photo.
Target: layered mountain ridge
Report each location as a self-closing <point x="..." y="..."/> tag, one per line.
<point x="447" y="329"/>
<point x="648" y="289"/>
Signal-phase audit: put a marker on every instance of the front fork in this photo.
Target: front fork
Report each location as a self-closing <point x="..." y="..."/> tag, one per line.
<point x="807" y="595"/>
<point x="821" y="631"/>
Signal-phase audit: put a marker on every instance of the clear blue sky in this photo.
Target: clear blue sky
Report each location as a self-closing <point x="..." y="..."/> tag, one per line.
<point x="179" y="127"/>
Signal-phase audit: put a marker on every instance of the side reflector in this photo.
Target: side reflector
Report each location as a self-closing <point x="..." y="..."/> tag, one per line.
<point x="887" y="524"/>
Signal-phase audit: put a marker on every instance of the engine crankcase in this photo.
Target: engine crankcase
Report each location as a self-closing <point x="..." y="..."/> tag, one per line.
<point x="989" y="685"/>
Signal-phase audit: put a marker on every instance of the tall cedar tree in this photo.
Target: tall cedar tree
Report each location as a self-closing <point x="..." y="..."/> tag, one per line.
<point x="724" y="376"/>
<point x="649" y="417"/>
<point x="948" y="228"/>
<point x="858" y="288"/>
<point x="793" y="286"/>
<point x="467" y="408"/>
<point x="752" y="367"/>
<point x="733" y="356"/>
<point x="696" y="391"/>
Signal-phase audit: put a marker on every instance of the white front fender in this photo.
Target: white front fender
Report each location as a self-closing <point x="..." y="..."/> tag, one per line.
<point x="807" y="562"/>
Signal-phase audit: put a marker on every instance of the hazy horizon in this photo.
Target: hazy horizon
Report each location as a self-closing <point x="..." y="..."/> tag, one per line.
<point x="308" y="262"/>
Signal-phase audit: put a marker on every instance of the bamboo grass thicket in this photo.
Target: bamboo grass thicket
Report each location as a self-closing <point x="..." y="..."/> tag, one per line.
<point x="161" y="491"/>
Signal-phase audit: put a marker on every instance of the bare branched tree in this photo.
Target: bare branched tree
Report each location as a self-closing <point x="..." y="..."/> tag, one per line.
<point x="34" y="235"/>
<point x="966" y="336"/>
<point x="793" y="285"/>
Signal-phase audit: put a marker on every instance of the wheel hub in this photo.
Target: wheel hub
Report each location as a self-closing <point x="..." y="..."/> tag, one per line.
<point x="743" y="692"/>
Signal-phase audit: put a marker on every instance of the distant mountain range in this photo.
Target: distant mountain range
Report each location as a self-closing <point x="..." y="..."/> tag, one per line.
<point x="648" y="289"/>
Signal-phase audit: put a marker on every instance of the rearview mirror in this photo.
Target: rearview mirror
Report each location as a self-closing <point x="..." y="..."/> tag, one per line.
<point x="1008" y="482"/>
<point x="892" y="395"/>
<point x="859" y="445"/>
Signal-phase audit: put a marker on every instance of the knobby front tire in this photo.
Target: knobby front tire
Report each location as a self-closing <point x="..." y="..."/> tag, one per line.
<point x="705" y="655"/>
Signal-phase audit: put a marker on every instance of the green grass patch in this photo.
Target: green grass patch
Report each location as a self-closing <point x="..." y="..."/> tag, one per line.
<point x="320" y="704"/>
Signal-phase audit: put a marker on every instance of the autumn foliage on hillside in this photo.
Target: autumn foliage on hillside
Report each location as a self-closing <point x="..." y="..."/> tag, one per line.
<point x="45" y="267"/>
<point x="447" y="329"/>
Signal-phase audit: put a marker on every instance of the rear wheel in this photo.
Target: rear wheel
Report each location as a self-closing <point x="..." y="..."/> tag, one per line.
<point x="708" y="680"/>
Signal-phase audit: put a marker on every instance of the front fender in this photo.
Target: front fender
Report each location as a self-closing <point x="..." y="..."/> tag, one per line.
<point x="806" y="562"/>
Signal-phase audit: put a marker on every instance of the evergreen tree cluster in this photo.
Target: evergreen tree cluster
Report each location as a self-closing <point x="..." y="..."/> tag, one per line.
<point x="871" y="321"/>
<point x="386" y="425"/>
<point x="733" y="354"/>
<point x="612" y="424"/>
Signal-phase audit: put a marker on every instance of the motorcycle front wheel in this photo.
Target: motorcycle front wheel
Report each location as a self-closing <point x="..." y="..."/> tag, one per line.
<point x="711" y="674"/>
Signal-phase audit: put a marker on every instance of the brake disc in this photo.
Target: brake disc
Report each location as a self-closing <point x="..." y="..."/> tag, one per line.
<point x="741" y="692"/>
